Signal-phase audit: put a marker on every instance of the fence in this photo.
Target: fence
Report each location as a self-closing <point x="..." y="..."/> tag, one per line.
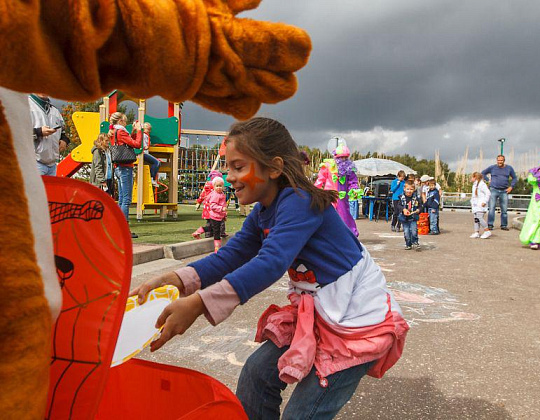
<point x="453" y="200"/>
<point x="197" y="154"/>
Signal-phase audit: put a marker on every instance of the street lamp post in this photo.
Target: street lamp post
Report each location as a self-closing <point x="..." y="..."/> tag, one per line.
<point x="502" y="144"/>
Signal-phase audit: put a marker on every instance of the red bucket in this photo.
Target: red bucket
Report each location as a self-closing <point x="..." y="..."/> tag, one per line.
<point x="423" y="224"/>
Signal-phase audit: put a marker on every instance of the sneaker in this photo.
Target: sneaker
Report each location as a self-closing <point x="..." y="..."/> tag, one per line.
<point x="433" y="233"/>
<point x="393" y="228"/>
<point x="154" y="183"/>
<point x="490" y="227"/>
<point x="417" y="246"/>
<point x="476" y="235"/>
<point x="505" y="228"/>
<point x="408" y="247"/>
<point x="485" y="235"/>
<point x="533" y="246"/>
<point x="134" y="235"/>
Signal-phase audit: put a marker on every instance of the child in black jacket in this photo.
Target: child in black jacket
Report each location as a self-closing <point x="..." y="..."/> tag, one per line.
<point x="409" y="208"/>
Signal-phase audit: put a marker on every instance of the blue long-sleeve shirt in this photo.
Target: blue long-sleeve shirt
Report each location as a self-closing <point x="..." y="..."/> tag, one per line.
<point x="286" y="235"/>
<point x="499" y="176"/>
<point x="396" y="188"/>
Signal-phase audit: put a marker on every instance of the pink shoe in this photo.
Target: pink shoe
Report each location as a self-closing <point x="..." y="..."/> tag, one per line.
<point x="197" y="234"/>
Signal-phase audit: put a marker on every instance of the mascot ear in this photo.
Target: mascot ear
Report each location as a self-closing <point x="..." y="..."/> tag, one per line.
<point x="203" y="51"/>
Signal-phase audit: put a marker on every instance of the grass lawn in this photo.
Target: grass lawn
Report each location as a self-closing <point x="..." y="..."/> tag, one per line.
<point x="152" y="230"/>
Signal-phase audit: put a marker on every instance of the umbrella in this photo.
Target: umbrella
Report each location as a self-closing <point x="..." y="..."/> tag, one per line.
<point x="379" y="167"/>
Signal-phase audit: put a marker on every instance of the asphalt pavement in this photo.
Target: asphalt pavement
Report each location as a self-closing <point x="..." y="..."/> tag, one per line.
<point x="473" y="350"/>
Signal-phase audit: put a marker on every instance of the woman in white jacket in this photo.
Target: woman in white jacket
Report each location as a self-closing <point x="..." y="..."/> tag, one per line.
<point x="479" y="204"/>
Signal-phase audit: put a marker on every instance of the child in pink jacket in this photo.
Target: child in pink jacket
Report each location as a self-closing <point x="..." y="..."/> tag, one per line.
<point x="207" y="189"/>
<point x="215" y="209"/>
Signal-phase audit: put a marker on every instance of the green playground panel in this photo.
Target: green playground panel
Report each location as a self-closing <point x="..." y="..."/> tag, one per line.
<point x="164" y="130"/>
<point x="225" y="182"/>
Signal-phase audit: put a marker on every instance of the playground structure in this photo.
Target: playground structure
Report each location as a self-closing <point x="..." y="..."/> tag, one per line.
<point x="187" y="165"/>
<point x="164" y="146"/>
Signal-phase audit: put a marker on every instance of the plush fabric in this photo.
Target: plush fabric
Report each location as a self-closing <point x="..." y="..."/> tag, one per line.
<point x="25" y="319"/>
<point x="178" y="49"/>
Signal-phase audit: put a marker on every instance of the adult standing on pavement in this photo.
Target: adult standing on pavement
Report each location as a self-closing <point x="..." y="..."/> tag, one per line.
<point x="499" y="187"/>
<point x="49" y="137"/>
<point x="396" y="189"/>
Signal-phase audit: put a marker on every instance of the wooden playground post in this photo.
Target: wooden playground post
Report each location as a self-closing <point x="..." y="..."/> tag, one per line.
<point x="140" y="164"/>
<point x="173" y="176"/>
<point x="104" y="110"/>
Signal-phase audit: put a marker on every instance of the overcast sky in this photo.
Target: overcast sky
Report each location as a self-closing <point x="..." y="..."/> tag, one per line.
<point x="410" y="76"/>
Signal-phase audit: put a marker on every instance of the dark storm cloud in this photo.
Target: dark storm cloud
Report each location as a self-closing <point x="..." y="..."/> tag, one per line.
<point x="414" y="64"/>
<point x="429" y="71"/>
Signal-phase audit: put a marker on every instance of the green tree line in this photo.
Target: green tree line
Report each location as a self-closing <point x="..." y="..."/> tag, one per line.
<point x="447" y="177"/>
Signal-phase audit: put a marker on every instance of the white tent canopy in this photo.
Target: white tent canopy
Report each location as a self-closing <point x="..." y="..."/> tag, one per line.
<point x="380" y="167"/>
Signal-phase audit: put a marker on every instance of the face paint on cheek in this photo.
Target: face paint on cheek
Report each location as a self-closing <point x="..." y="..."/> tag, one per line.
<point x="251" y="179"/>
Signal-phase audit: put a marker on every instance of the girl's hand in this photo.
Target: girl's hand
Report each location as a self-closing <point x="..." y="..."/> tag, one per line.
<point x="163" y="280"/>
<point x="406" y="212"/>
<point x="483" y="204"/>
<point x="177" y="318"/>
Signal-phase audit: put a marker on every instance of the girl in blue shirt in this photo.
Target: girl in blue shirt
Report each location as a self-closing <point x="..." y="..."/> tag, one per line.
<point x="342" y="322"/>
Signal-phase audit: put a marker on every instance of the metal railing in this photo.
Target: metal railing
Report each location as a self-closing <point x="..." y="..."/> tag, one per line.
<point x="451" y="200"/>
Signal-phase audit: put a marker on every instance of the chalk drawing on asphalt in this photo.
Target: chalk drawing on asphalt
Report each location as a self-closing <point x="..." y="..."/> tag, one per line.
<point x="429" y="304"/>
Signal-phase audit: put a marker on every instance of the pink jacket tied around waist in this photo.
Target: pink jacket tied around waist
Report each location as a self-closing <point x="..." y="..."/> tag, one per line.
<point x="328" y="331"/>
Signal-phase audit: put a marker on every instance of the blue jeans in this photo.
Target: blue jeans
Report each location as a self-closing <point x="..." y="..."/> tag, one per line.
<point x="259" y="389"/>
<point x="410" y="232"/>
<point x="154" y="164"/>
<point x="124" y="174"/>
<point x="502" y="196"/>
<point x="353" y="207"/>
<point x="49" y="170"/>
<point x="433" y="220"/>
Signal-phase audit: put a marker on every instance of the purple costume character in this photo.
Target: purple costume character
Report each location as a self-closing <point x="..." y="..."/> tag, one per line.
<point x="339" y="174"/>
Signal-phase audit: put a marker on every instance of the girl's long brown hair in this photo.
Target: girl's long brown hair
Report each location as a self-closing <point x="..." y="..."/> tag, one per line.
<point x="264" y="139"/>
